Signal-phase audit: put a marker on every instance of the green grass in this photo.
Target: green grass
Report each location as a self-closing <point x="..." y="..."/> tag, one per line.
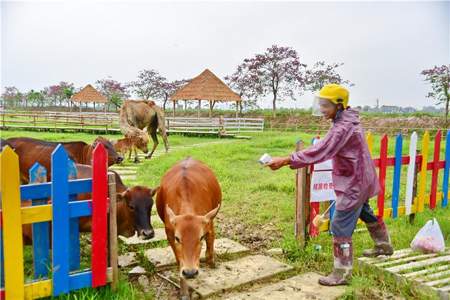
<point x="258" y="201"/>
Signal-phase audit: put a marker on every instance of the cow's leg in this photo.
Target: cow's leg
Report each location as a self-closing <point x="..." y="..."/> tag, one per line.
<point x="136" y="157"/>
<point x="129" y="152"/>
<point x="165" y="140"/>
<point x="210" y="248"/>
<point x="152" y="132"/>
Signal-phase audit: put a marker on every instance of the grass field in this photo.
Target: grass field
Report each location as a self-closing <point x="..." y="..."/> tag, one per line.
<point x="258" y="207"/>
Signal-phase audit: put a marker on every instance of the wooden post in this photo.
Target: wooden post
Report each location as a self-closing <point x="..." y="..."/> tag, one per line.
<point x="302" y="201"/>
<point x="237" y="109"/>
<point x="210" y="108"/>
<point x="174" y="106"/>
<point x="113" y="248"/>
<point x="199" y="108"/>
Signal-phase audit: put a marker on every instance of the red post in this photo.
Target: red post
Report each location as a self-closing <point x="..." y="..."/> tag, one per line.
<point x="435" y="173"/>
<point x="99" y="216"/>
<point x="382" y="175"/>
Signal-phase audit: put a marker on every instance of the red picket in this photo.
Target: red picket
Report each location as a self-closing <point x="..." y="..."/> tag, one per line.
<point x="99" y="216"/>
<point x="382" y="175"/>
<point x="435" y="173"/>
<point x="314" y="210"/>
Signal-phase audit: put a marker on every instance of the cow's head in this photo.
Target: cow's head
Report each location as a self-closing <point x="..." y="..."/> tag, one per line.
<point x="190" y="231"/>
<point x="139" y="138"/>
<point x="113" y="156"/>
<point x="136" y="214"/>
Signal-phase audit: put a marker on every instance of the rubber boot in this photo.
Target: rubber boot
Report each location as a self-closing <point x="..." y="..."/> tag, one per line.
<point x="343" y="263"/>
<point x="379" y="234"/>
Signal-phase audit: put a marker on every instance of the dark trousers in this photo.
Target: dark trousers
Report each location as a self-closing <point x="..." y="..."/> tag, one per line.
<point x="344" y="222"/>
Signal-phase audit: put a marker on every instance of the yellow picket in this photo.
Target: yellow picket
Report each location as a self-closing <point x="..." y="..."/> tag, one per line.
<point x="38" y="289"/>
<point x="12" y="225"/>
<point x="35" y="214"/>
<point x="370" y="141"/>
<point x="423" y="172"/>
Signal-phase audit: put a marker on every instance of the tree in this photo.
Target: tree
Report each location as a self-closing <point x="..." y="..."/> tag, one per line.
<point x="321" y="74"/>
<point x="12" y="96"/>
<point x="168" y="88"/>
<point x="35" y="97"/>
<point x="278" y="71"/>
<point x="247" y="84"/>
<point x="60" y="92"/>
<point x="113" y="90"/>
<point x="148" y="84"/>
<point x="439" y="79"/>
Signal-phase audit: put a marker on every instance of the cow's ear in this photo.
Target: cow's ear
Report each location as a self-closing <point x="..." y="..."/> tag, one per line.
<point x="170" y="214"/>
<point x="154" y="191"/>
<point x="124" y="196"/>
<point x="210" y="215"/>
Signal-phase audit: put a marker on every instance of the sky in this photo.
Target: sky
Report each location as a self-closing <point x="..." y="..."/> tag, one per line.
<point x="384" y="45"/>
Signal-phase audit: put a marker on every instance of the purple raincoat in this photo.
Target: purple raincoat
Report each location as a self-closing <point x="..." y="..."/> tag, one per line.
<point x="354" y="175"/>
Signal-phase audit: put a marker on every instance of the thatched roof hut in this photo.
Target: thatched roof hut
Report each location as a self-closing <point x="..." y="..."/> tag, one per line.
<point x="205" y="86"/>
<point x="89" y="94"/>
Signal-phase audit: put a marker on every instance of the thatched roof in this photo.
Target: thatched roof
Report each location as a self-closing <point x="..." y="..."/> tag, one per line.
<point x="206" y="86"/>
<point x="89" y="94"/>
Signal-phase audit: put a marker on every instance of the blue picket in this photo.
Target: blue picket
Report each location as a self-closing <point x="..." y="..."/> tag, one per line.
<point x="37" y="191"/>
<point x="60" y="232"/>
<point x="41" y="230"/>
<point x="397" y="173"/>
<point x="74" y="257"/>
<point x="332" y="209"/>
<point x="445" y="181"/>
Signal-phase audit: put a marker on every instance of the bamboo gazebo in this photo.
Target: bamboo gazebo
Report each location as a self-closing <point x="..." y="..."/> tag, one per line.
<point x="89" y="94"/>
<point x="206" y="87"/>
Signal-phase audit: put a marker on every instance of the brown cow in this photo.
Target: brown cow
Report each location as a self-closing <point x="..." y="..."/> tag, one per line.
<point x="128" y="144"/>
<point x="32" y="150"/>
<point x="134" y="206"/>
<point x="135" y="115"/>
<point x="188" y="199"/>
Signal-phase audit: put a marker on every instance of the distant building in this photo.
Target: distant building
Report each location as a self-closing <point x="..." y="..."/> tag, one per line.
<point x="390" y="109"/>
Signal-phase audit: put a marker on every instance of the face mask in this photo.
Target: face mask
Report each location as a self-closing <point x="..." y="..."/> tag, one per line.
<point x="321" y="105"/>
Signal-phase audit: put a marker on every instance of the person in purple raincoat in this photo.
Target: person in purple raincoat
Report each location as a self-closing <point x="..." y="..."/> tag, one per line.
<point x="354" y="178"/>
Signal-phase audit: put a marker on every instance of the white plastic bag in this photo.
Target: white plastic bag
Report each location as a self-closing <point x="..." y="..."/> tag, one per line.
<point x="429" y="239"/>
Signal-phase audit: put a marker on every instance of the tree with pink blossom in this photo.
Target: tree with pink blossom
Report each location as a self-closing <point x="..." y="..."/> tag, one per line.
<point x="11" y="96"/>
<point x="115" y="91"/>
<point x="321" y="74"/>
<point x="277" y="72"/>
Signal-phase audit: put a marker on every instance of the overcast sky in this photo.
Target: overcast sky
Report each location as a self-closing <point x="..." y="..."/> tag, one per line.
<point x="384" y="46"/>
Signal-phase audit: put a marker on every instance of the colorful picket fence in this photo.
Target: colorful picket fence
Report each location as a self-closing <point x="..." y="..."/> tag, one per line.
<point x="56" y="262"/>
<point x="417" y="174"/>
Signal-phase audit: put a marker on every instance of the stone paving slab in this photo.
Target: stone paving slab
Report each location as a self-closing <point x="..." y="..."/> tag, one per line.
<point x="232" y="274"/>
<point x="127" y="259"/>
<point x="160" y="235"/>
<point x="304" y="286"/>
<point x="164" y="257"/>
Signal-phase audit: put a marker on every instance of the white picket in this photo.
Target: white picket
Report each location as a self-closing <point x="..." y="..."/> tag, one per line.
<point x="410" y="177"/>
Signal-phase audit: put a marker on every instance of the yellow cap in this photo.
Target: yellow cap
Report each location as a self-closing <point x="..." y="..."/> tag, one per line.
<point x="335" y="93"/>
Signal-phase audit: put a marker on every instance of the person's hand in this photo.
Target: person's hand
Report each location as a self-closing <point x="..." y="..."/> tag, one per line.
<point x="278" y="162"/>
